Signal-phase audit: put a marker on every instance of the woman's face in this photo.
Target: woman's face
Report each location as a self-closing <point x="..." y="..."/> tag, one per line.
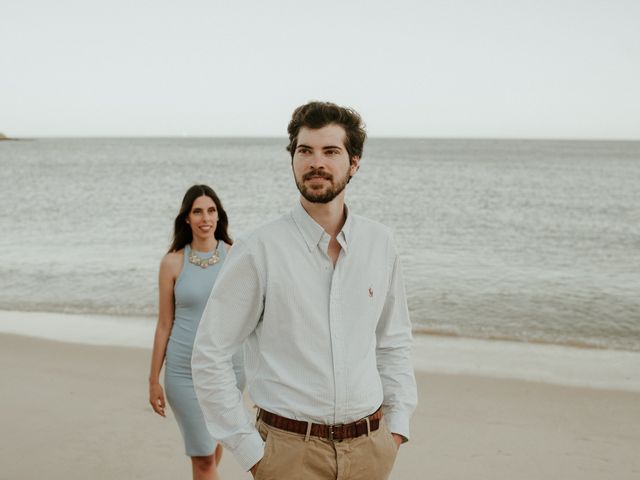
<point x="203" y="218"/>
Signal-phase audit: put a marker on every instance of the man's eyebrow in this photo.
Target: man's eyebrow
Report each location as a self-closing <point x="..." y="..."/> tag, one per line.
<point x="326" y="147"/>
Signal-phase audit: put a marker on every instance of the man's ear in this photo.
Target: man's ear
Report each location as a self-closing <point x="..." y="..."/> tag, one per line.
<point x="355" y="165"/>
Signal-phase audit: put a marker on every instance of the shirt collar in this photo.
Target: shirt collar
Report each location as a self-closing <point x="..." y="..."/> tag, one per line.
<point x="345" y="234"/>
<point x="312" y="232"/>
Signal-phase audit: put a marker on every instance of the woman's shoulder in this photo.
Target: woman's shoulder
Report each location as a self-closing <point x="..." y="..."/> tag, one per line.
<point x="172" y="261"/>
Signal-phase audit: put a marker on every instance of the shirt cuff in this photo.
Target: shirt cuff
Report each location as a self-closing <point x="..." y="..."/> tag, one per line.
<point x="398" y="423"/>
<point x="249" y="451"/>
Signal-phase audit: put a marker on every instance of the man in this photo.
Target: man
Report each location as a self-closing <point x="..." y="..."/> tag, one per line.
<point x="319" y="296"/>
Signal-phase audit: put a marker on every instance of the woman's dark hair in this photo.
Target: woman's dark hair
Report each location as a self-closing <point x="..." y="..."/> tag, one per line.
<point x="182" y="234"/>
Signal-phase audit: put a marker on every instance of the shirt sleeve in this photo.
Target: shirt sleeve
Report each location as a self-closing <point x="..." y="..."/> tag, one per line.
<point x="232" y="313"/>
<point x="237" y="360"/>
<point x="393" y="355"/>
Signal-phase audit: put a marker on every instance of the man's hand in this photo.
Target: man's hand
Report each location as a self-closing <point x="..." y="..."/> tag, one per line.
<point x="398" y="439"/>
<point x="254" y="469"/>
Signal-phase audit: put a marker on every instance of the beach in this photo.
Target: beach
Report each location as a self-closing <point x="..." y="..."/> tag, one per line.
<point x="492" y="156"/>
<point x="74" y="410"/>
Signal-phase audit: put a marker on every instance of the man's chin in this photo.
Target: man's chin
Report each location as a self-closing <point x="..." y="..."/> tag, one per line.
<point x="318" y="198"/>
<point x="321" y="195"/>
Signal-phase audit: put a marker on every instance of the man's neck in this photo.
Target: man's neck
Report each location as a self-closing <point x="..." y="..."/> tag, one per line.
<point x="330" y="216"/>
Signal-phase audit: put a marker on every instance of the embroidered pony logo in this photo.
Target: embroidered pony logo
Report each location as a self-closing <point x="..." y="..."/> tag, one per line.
<point x="370" y="292"/>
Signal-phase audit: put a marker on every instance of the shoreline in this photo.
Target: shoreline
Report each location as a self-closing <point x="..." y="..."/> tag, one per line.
<point x="84" y="408"/>
<point x="417" y="330"/>
<point x="437" y="354"/>
<point x="497" y="338"/>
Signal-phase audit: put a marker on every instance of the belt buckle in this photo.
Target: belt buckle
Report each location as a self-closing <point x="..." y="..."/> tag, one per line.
<point x="331" y="432"/>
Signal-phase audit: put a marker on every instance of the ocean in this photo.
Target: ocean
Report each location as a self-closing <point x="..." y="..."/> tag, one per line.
<point x="526" y="240"/>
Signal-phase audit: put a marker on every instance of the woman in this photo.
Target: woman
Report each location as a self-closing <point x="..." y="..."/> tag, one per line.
<point x="187" y="273"/>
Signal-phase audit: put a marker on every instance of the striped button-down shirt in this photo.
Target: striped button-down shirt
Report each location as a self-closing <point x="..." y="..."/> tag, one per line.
<point x="323" y="344"/>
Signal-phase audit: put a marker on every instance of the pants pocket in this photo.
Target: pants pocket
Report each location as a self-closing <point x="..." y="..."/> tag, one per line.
<point x="264" y="434"/>
<point x="388" y="450"/>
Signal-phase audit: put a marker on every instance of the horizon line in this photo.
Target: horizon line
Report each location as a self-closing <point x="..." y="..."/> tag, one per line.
<point x="373" y="137"/>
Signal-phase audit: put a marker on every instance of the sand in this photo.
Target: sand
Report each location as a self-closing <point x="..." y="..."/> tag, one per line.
<point x="72" y="411"/>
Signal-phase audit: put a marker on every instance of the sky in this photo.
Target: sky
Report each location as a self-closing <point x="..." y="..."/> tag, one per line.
<point x="472" y="68"/>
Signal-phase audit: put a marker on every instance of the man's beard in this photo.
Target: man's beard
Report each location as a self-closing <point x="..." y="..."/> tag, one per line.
<point x="322" y="195"/>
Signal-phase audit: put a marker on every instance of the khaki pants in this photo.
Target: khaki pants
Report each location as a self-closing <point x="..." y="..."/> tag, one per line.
<point x="288" y="456"/>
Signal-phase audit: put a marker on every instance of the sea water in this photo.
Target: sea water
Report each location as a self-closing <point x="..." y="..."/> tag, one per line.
<point x="537" y="241"/>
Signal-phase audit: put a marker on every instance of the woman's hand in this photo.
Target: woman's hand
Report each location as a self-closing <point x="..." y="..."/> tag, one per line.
<point x="156" y="398"/>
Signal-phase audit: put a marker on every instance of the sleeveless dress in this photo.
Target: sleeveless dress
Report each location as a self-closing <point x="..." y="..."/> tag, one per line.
<point x="191" y="292"/>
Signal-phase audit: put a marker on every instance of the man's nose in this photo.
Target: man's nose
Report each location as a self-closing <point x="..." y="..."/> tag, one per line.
<point x="317" y="160"/>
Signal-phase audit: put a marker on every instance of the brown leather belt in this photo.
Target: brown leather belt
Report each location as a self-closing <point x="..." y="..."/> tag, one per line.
<point x="331" y="432"/>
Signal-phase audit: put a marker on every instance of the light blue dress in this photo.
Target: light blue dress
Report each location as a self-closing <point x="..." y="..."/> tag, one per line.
<point x="191" y="292"/>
